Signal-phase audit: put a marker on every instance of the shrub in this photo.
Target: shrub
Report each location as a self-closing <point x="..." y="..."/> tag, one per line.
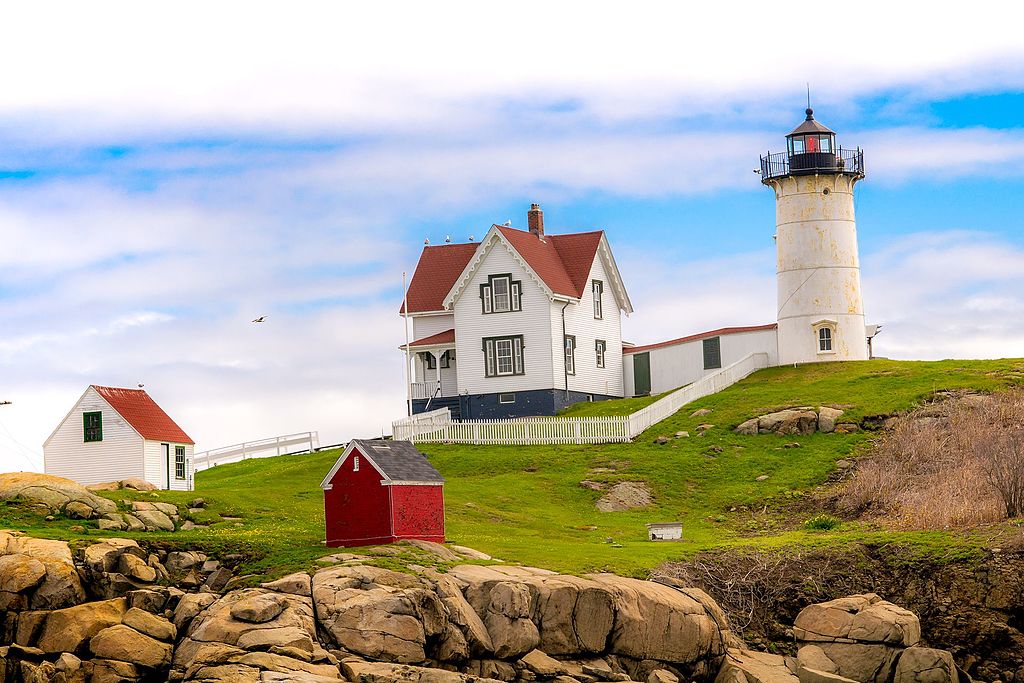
<point x="822" y="523"/>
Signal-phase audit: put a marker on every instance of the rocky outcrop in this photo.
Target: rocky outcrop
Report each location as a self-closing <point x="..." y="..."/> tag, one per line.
<point x="793" y="421"/>
<point x="55" y="494"/>
<point x="376" y="625"/>
<point x="865" y="639"/>
<point x="133" y="483"/>
<point x="22" y="586"/>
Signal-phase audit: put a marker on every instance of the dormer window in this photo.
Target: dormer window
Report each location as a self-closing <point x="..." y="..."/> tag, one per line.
<point x="501" y="294"/>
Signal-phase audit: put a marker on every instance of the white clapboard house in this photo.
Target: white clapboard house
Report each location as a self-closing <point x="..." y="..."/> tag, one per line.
<point x="112" y="434"/>
<point x="520" y="323"/>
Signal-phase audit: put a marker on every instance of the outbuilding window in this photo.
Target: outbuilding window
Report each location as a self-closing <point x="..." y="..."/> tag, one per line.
<point x="503" y="356"/>
<point x="712" y="353"/>
<point x="355" y="463"/>
<point x="93" y="425"/>
<point x="179" y="462"/>
<point x="599" y="348"/>
<point x="501" y="294"/>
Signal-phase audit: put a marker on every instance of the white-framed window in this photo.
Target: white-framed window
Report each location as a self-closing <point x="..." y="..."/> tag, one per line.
<point x="597" y="288"/>
<point x="824" y="339"/>
<point x="501" y="294"/>
<point x="570" y="355"/>
<point x="179" y="462"/>
<point x="355" y="463"/>
<point x="599" y="348"/>
<point x="506" y="398"/>
<point x="503" y="356"/>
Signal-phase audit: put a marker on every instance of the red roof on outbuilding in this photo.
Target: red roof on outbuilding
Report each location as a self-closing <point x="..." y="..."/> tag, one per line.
<point x="563" y="262"/>
<point x="697" y="337"/>
<point x="143" y="414"/>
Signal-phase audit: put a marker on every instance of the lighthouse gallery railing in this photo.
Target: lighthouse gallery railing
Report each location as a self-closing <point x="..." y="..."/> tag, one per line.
<point x="842" y="161"/>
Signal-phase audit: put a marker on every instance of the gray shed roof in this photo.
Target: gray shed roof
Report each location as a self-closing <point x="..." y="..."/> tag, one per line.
<point x="811" y="126"/>
<point x="398" y="460"/>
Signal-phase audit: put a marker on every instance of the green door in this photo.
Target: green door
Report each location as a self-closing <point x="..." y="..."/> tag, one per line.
<point x="641" y="374"/>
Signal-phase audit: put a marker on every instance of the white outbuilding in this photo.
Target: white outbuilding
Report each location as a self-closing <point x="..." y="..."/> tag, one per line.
<point x="112" y="434"/>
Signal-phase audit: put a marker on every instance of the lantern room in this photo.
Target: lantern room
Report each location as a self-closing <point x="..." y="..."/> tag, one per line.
<point x="811" y="145"/>
<point x="811" y="148"/>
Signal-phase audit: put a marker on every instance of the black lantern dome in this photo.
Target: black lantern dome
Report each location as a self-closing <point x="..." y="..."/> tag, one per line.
<point x="811" y="148"/>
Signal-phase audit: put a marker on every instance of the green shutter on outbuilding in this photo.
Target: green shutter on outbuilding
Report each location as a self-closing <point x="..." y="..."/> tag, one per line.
<point x="712" y="353"/>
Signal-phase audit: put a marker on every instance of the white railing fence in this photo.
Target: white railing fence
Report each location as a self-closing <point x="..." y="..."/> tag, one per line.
<point x="287" y="444"/>
<point x="647" y="417"/>
<point x="437" y="426"/>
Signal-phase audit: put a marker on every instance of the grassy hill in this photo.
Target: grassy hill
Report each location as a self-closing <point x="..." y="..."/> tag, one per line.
<point x="525" y="504"/>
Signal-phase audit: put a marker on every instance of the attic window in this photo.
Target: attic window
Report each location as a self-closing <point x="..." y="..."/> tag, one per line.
<point x="598" y="289"/>
<point x="93" y="425"/>
<point x="501" y="294"/>
<point x="355" y="463"/>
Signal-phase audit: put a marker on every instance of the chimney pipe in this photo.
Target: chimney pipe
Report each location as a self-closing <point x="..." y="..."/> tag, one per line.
<point x="535" y="219"/>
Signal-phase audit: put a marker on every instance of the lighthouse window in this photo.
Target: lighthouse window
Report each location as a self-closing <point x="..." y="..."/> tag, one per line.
<point x="826" y="144"/>
<point x="825" y="339"/>
<point x="797" y="145"/>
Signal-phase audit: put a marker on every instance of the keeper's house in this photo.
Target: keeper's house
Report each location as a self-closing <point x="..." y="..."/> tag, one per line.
<point x="380" y="492"/>
<point x="112" y="434"/>
<point x="521" y="323"/>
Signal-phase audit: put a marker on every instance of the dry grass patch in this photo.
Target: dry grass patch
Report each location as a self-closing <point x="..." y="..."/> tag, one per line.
<point x="956" y="463"/>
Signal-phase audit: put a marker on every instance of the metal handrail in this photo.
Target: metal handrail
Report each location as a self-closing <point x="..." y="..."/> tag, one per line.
<point x="849" y="161"/>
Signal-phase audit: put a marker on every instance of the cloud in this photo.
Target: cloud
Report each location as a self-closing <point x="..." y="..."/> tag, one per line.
<point x="362" y="67"/>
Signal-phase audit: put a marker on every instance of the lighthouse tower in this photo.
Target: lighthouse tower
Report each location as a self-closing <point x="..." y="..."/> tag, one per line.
<point x="821" y="314"/>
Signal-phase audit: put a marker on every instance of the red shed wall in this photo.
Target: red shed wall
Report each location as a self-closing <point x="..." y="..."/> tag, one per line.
<point x="418" y="512"/>
<point x="357" y="507"/>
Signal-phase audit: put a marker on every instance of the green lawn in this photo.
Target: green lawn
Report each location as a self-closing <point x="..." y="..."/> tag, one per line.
<point x="524" y="504"/>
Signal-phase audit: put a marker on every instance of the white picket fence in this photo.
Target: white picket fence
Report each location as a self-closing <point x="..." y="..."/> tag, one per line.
<point x="263" y="448"/>
<point x="437" y="426"/>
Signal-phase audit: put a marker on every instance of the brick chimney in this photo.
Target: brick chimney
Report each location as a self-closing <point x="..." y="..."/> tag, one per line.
<point x="535" y="219"/>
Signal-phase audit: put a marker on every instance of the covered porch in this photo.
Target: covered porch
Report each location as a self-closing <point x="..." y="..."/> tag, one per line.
<point x="433" y="376"/>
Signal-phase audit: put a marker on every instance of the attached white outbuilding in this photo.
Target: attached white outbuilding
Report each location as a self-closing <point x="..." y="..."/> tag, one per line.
<point x="112" y="434"/>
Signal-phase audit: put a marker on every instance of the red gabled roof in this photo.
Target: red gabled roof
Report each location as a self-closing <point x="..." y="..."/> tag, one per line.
<point x="563" y="262"/>
<point x="143" y="414"/>
<point x="437" y="271"/>
<point x="697" y="337"/>
<point x="446" y="337"/>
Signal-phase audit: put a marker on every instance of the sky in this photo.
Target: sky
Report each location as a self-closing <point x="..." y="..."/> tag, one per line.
<point x="168" y="173"/>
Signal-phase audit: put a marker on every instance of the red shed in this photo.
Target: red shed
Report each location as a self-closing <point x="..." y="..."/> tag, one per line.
<point x="381" y="491"/>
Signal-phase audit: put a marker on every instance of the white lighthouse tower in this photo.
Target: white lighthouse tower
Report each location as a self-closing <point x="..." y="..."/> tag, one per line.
<point x="821" y="313"/>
